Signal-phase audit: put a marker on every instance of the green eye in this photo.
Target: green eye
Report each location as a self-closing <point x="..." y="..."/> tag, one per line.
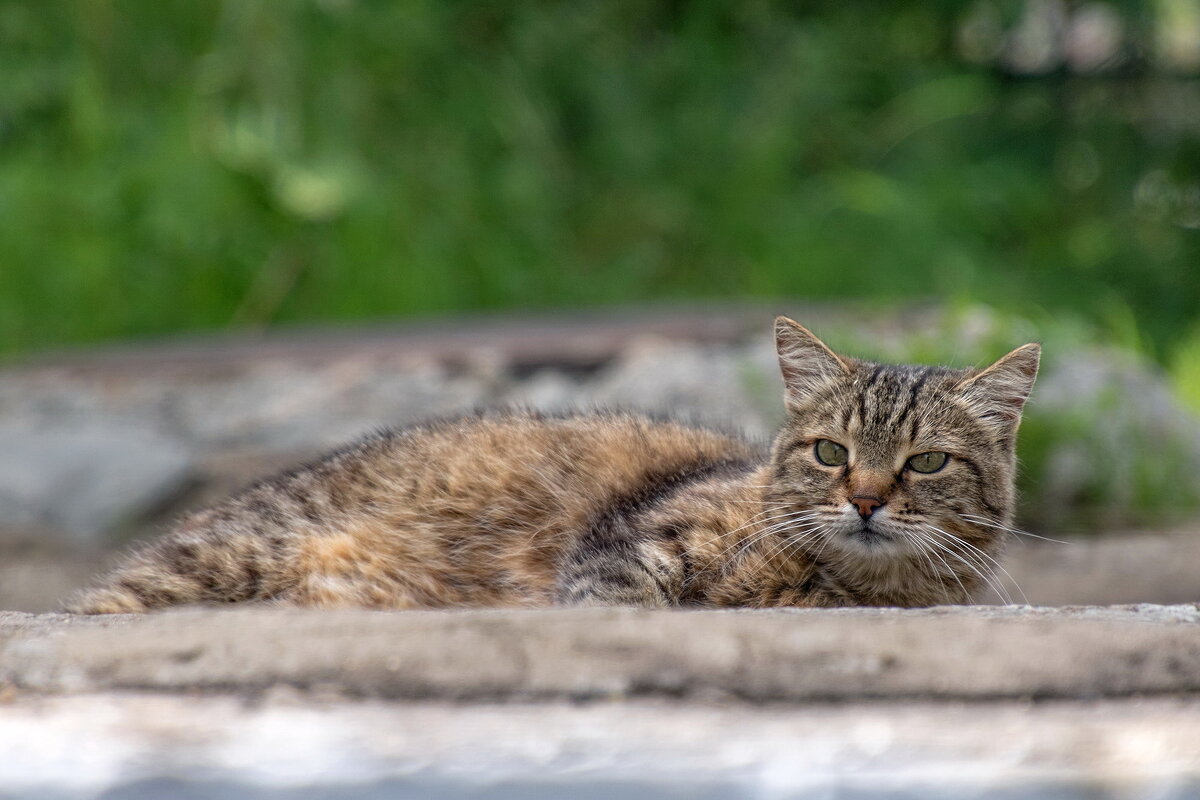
<point x="927" y="462"/>
<point x="831" y="454"/>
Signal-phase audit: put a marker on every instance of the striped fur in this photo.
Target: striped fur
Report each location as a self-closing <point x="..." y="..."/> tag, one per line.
<point x="519" y="509"/>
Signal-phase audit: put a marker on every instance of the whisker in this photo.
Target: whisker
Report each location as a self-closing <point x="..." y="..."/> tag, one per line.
<point x="756" y="521"/>
<point x="782" y="522"/>
<point x="824" y="545"/>
<point x="1015" y="531"/>
<point x="980" y="568"/>
<point x="759" y="536"/>
<point x="753" y="522"/>
<point x="999" y="566"/>
<point x="795" y="540"/>
<point x="921" y="551"/>
<point x="953" y="574"/>
<point x="1004" y="595"/>
<point x="745" y="544"/>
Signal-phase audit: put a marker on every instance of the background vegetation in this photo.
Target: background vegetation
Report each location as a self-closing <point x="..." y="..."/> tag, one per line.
<point x="170" y="165"/>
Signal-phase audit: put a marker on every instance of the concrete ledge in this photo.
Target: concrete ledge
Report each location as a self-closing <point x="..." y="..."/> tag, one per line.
<point x="967" y="653"/>
<point x="153" y="747"/>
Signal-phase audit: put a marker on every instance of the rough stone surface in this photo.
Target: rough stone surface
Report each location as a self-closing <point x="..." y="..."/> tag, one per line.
<point x="985" y="703"/>
<point x="153" y="747"/>
<point x="973" y="652"/>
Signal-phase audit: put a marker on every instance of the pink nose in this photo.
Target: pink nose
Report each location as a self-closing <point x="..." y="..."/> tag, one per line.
<point x="866" y="505"/>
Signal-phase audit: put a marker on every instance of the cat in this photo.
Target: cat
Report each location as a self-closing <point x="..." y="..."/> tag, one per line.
<point x="886" y="486"/>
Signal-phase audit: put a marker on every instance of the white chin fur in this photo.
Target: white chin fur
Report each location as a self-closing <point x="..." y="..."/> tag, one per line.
<point x="880" y="540"/>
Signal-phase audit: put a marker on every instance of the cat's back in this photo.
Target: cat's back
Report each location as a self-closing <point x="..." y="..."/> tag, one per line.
<point x="467" y="512"/>
<point x="529" y="463"/>
<point x="473" y="511"/>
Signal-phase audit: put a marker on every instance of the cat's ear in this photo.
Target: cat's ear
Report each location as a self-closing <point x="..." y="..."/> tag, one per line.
<point x="998" y="393"/>
<point x="804" y="359"/>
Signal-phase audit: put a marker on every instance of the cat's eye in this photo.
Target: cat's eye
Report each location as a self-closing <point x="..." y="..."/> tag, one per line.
<point x="831" y="454"/>
<point x="927" y="462"/>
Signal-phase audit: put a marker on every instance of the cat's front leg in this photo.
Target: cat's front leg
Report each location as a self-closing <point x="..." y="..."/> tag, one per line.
<point x="610" y="566"/>
<point x="610" y="582"/>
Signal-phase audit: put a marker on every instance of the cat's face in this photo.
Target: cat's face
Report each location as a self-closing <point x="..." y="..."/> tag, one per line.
<point x="897" y="460"/>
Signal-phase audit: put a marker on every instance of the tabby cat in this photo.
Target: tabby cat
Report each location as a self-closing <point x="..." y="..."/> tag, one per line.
<point x="887" y="485"/>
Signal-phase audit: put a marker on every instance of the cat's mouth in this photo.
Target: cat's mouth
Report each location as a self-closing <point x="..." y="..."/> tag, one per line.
<point x="873" y="538"/>
<point x="868" y="534"/>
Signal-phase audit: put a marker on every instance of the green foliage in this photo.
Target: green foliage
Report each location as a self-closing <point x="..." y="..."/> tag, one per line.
<point x="1185" y="369"/>
<point x="172" y="165"/>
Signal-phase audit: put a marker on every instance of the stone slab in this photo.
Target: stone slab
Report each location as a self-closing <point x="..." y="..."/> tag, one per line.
<point x="149" y="747"/>
<point x="950" y="653"/>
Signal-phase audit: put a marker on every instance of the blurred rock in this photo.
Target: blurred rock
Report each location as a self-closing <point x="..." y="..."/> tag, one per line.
<point x="703" y="383"/>
<point x="945" y="653"/>
<point x="547" y="390"/>
<point x="84" y="480"/>
<point x="283" y="407"/>
<point x="936" y="704"/>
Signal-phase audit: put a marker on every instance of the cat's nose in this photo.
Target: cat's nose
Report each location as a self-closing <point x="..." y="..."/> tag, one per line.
<point x="866" y="504"/>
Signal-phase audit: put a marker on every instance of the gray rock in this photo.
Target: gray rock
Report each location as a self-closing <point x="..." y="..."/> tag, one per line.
<point x="550" y="391"/>
<point x="931" y="703"/>
<point x="707" y="384"/>
<point x="785" y="655"/>
<point x="85" y="480"/>
<point x="138" y="746"/>
<point x="284" y="407"/>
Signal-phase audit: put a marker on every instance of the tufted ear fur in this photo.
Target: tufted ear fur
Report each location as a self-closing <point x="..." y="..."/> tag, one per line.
<point x="804" y="359"/>
<point x="998" y="393"/>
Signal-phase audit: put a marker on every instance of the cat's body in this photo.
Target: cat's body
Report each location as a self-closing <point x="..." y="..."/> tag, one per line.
<point x="523" y="510"/>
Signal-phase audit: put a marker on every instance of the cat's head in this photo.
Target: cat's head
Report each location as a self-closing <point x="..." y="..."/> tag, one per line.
<point x="893" y="461"/>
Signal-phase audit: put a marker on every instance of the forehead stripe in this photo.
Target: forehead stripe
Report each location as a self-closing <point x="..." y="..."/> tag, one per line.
<point x="862" y="394"/>
<point x="912" y="403"/>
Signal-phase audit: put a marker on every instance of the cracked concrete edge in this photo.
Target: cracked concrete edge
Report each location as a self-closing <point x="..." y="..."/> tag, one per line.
<point x="790" y="655"/>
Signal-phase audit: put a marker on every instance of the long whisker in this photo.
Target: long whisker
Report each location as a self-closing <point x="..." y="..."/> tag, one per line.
<point x="758" y="517"/>
<point x="781" y="522"/>
<point x="796" y="539"/>
<point x="1015" y="531"/>
<point x="773" y="520"/>
<point x="933" y="570"/>
<point x="985" y="572"/>
<point x="749" y="541"/>
<point x="990" y="558"/>
<point x="972" y="549"/>
<point x="766" y="533"/>
<point x="816" y="557"/>
<point x="756" y="521"/>
<point x="924" y="538"/>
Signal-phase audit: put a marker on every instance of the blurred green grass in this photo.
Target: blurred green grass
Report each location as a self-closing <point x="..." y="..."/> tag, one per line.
<point x="169" y="166"/>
